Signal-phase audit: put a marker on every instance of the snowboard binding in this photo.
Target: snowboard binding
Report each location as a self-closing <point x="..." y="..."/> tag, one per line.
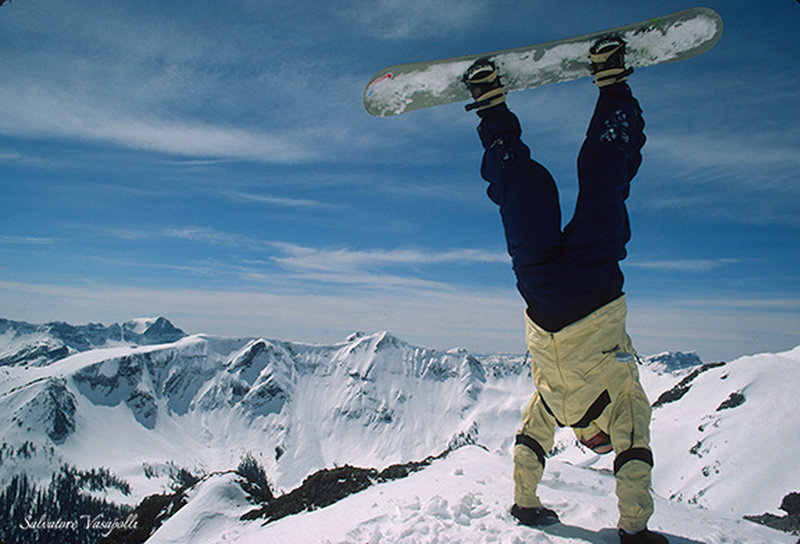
<point x="484" y="84"/>
<point x="608" y="61"/>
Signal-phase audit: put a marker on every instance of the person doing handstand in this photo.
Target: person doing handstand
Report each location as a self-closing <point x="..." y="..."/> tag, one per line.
<point x="583" y="362"/>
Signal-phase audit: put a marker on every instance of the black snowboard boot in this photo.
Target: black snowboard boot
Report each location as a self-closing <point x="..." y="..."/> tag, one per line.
<point x="534" y="517"/>
<point x="484" y="84"/>
<point x="642" y="537"/>
<point x="608" y="61"/>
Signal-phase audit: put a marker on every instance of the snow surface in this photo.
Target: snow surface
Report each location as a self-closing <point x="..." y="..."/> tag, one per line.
<point x="463" y="498"/>
<point x="215" y="510"/>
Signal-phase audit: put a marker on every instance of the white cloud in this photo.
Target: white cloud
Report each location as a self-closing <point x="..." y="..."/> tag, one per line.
<point x="417" y="19"/>
<point x="27" y="240"/>
<point x="9" y="156"/>
<point x="308" y="257"/>
<point x="240" y="196"/>
<point x="208" y="235"/>
<point x="121" y="76"/>
<point x="684" y="265"/>
<point x="730" y="152"/>
<point x="281" y="265"/>
<point x="50" y="113"/>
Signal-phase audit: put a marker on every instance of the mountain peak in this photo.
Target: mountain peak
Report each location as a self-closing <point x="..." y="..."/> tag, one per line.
<point x="671" y="361"/>
<point x="153" y="330"/>
<point x="39" y="345"/>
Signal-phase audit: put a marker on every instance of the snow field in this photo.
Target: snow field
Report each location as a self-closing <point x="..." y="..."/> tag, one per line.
<point x="462" y="498"/>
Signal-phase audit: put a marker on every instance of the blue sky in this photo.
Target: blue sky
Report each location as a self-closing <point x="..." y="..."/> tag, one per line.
<point x="212" y="162"/>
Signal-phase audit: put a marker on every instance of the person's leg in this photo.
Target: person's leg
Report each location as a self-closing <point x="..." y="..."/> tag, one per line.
<point x="534" y="441"/>
<point x="630" y="436"/>
<point x="529" y="207"/>
<point x="522" y="188"/>
<point x="609" y="159"/>
<point x="595" y="238"/>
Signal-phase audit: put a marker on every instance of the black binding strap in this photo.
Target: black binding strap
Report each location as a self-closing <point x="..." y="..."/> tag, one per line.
<point x="638" y="454"/>
<point x="591" y="414"/>
<point x="533" y="445"/>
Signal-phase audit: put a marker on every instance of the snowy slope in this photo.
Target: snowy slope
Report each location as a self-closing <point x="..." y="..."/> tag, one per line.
<point x="733" y="436"/>
<point x="463" y="498"/>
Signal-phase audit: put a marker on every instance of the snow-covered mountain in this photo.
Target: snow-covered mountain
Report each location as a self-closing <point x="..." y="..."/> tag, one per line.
<point x="26" y="344"/>
<point x="160" y="410"/>
<point x="201" y="403"/>
<point x="672" y="361"/>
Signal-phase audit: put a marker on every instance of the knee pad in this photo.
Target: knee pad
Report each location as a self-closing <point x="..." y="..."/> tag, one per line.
<point x="633" y="454"/>
<point x="532" y="445"/>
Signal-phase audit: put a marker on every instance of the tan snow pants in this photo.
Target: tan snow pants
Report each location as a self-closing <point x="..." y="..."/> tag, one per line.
<point x="586" y="378"/>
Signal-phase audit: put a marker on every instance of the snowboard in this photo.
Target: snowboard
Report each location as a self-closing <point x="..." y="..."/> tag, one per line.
<point x="406" y="87"/>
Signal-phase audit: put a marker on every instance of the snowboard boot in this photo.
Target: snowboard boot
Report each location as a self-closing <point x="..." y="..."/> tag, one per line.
<point x="484" y="84"/>
<point x="642" y="537"/>
<point x="608" y="61"/>
<point x="534" y="517"/>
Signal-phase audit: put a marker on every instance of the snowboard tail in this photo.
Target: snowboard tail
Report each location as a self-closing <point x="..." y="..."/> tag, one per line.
<point x="406" y="87"/>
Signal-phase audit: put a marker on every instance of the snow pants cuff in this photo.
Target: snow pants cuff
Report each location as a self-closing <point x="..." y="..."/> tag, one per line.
<point x="498" y="123"/>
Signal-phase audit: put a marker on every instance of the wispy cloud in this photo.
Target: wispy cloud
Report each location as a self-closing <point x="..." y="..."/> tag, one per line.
<point x="298" y="257"/>
<point x="27" y="240"/>
<point x="729" y="156"/>
<point x="723" y="176"/>
<point x="208" y="235"/>
<point x="45" y="113"/>
<point x="8" y="156"/>
<point x="394" y="20"/>
<point x="297" y="267"/>
<point x="787" y="304"/>
<point x="27" y="160"/>
<point x="240" y="196"/>
<point x="194" y="269"/>
<point x="684" y="265"/>
<point x="393" y="270"/>
<point x="121" y="77"/>
<point x="736" y="155"/>
<point x="301" y="257"/>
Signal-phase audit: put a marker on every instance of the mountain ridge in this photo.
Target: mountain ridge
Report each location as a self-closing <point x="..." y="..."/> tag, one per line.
<point x="29" y="344"/>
